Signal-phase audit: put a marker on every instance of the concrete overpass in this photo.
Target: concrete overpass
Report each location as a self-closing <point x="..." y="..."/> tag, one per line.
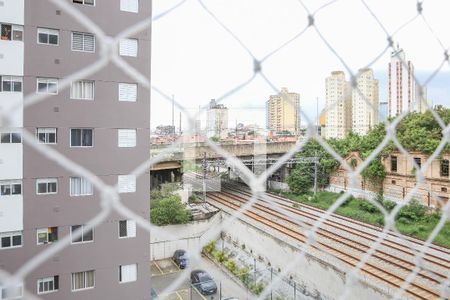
<point x="169" y="169"/>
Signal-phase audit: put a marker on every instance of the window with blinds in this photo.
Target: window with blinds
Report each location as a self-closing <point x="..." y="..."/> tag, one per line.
<point x="128" y="273"/>
<point x="129" y="5"/>
<point x="127" y="229"/>
<point x="48" y="284"/>
<point x="128" y="92"/>
<point x="126" y="138"/>
<point x="82" y="90"/>
<point x="83" y="280"/>
<point x="80" y="186"/>
<point x="128" y="47"/>
<point x="47" y="85"/>
<point x="46" y="135"/>
<point x="83" y="42"/>
<point x="127" y="183"/>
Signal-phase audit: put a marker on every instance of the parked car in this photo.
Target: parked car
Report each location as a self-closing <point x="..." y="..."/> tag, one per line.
<point x="153" y="294"/>
<point x="180" y="258"/>
<point x="203" y="282"/>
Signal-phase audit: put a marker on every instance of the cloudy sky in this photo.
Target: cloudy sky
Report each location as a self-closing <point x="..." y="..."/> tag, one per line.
<point x="195" y="59"/>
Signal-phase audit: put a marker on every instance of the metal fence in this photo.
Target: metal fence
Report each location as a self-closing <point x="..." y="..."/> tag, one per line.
<point x="111" y="198"/>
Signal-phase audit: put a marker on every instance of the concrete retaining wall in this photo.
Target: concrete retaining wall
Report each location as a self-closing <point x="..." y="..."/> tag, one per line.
<point x="184" y="236"/>
<point x="325" y="277"/>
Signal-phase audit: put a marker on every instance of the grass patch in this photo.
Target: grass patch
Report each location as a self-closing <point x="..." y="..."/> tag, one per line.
<point x="410" y="221"/>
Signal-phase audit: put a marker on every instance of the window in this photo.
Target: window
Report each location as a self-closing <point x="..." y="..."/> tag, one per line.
<point x="10" y="138"/>
<point x="11" y="292"/>
<point x="48" y="36"/>
<point x="48" y="285"/>
<point x="11" y="84"/>
<point x="444" y="189"/>
<point x="127" y="183"/>
<point x="129" y="5"/>
<point x="46" y="186"/>
<point x="128" y="47"/>
<point x="418" y="161"/>
<point x="85" y="2"/>
<point x="83" y="280"/>
<point x="81" y="137"/>
<point x="445" y="168"/>
<point x="47" y="86"/>
<point x="11" y="32"/>
<point x="11" y="239"/>
<point x="127" y="138"/>
<point x="80" y="186"/>
<point x="83" y="42"/>
<point x="393" y="163"/>
<point x="127" y="92"/>
<point x="393" y="182"/>
<point x="47" y="235"/>
<point x="82" y="89"/>
<point x="8" y="188"/>
<point x="127" y="273"/>
<point x="86" y="235"/>
<point x="46" y="135"/>
<point x="127" y="229"/>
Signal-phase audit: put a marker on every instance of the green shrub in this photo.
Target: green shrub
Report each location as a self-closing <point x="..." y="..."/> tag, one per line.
<point x="220" y="256"/>
<point x="257" y="288"/>
<point x="389" y="205"/>
<point x="210" y="247"/>
<point x="414" y="211"/>
<point x="231" y="265"/>
<point x="295" y="205"/>
<point x="367" y="206"/>
<point x="245" y="276"/>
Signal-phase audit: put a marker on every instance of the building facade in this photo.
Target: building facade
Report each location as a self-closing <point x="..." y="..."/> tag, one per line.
<point x="338" y="110"/>
<point x="101" y="122"/>
<point x="404" y="94"/>
<point x="400" y="179"/>
<point x="365" y="102"/>
<point x="217" y="120"/>
<point x="283" y="112"/>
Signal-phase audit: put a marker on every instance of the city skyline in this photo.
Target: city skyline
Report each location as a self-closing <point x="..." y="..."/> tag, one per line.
<point x="301" y="66"/>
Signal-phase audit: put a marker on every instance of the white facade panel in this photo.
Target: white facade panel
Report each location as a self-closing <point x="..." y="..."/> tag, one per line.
<point x="11" y="162"/>
<point x="9" y="100"/>
<point x="11" y="213"/>
<point x="11" y="57"/>
<point x="12" y="11"/>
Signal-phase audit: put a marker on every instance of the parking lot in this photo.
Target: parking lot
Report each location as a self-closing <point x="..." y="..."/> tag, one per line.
<point x="164" y="272"/>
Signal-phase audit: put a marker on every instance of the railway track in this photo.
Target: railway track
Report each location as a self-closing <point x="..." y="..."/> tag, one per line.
<point x="314" y="214"/>
<point x="399" y="266"/>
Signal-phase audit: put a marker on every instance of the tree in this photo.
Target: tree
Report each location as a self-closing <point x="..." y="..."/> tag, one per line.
<point x="170" y="210"/>
<point x="301" y="179"/>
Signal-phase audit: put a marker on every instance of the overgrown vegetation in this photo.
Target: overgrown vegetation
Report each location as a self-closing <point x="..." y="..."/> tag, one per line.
<point x="413" y="219"/>
<point x="167" y="208"/>
<point x="416" y="132"/>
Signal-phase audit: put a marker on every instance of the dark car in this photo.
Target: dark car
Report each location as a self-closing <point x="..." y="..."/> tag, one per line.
<point x="203" y="282"/>
<point x="153" y="294"/>
<point x="180" y="258"/>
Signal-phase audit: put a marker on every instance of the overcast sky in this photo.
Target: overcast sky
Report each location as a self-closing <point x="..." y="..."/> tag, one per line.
<point x="196" y="60"/>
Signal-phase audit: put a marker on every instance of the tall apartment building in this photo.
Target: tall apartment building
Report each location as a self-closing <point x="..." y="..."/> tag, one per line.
<point x="365" y="102"/>
<point x="100" y="122"/>
<point x="404" y="94"/>
<point x="338" y="108"/>
<point x="217" y="120"/>
<point x="283" y="112"/>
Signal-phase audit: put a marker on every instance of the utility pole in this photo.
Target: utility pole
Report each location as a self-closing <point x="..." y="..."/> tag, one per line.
<point x="173" y="111"/>
<point x="315" y="172"/>
<point x="204" y="176"/>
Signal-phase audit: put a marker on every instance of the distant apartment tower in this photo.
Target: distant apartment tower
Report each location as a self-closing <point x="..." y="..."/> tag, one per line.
<point x="404" y="94"/>
<point x="338" y="110"/>
<point x="283" y="112"/>
<point x="101" y="122"/>
<point x="365" y="102"/>
<point x="217" y="120"/>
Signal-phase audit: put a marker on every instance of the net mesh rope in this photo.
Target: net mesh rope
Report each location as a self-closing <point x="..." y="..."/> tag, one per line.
<point x="110" y="198"/>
